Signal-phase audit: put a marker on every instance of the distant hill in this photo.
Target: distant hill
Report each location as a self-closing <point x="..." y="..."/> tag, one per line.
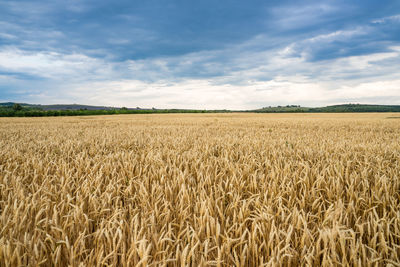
<point x="11" y="109"/>
<point x="358" y="108"/>
<point x="59" y="106"/>
<point x="282" y="109"/>
<point x="331" y="109"/>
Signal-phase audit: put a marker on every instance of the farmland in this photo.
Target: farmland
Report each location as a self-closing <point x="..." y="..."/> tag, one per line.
<point x="200" y="190"/>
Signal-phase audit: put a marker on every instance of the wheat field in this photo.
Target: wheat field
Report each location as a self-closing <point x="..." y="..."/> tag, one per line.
<point x="200" y="190"/>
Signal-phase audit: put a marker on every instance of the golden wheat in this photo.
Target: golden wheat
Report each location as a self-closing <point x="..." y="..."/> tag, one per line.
<point x="200" y="190"/>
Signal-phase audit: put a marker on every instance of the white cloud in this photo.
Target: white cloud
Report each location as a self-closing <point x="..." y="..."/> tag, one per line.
<point x="337" y="35"/>
<point x="246" y="79"/>
<point x="204" y="94"/>
<point x="395" y="18"/>
<point x="52" y="65"/>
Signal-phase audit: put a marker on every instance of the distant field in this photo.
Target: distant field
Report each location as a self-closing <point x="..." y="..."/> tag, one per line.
<point x="201" y="190"/>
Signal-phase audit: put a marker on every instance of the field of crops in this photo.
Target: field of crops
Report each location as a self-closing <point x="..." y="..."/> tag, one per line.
<point x="200" y="190"/>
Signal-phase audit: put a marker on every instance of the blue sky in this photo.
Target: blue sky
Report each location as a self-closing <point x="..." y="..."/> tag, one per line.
<point x="200" y="54"/>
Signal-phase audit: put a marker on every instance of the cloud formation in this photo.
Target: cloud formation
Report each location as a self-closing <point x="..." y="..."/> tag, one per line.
<point x="211" y="55"/>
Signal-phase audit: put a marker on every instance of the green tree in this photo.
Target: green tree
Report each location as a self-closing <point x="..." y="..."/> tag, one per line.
<point x="17" y="107"/>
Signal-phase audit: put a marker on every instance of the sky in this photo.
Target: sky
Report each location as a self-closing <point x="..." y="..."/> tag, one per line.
<point x="208" y="54"/>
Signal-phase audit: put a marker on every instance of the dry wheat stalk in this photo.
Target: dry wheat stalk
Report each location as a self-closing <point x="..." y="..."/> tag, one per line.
<point x="200" y="190"/>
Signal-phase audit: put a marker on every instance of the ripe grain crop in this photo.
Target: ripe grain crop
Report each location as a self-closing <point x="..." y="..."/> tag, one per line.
<point x="200" y="190"/>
